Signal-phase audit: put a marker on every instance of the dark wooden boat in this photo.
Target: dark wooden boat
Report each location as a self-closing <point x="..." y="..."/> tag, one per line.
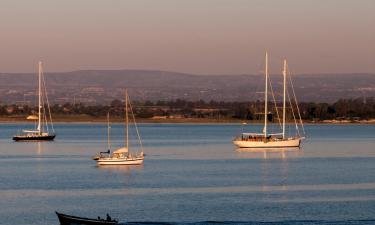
<point x="34" y="137"/>
<point x="75" y="220"/>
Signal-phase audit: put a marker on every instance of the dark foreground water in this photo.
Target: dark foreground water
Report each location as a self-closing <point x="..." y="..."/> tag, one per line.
<point x="192" y="173"/>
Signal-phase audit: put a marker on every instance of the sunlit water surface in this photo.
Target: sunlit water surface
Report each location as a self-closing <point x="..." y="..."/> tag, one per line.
<point x="191" y="173"/>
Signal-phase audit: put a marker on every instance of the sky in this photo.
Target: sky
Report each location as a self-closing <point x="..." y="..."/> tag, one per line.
<point x="191" y="36"/>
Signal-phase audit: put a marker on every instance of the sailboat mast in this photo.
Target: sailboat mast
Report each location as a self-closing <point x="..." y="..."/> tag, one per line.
<point x="266" y="98"/>
<point x="108" y="133"/>
<point x="39" y="96"/>
<point x="284" y="97"/>
<point x="127" y="118"/>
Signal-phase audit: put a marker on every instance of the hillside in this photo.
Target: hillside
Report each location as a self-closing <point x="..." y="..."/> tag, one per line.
<point x="102" y="86"/>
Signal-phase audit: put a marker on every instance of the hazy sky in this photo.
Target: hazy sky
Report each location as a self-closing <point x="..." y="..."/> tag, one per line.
<point x="195" y="36"/>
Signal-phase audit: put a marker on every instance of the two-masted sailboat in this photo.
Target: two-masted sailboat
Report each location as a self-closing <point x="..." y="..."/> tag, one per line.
<point x="122" y="156"/>
<point x="273" y="140"/>
<point x="44" y="129"/>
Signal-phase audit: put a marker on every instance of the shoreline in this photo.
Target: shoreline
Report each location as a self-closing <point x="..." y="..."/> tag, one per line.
<point x="99" y="120"/>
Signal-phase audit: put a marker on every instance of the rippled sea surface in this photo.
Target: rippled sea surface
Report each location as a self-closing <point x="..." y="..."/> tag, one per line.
<point x="192" y="175"/>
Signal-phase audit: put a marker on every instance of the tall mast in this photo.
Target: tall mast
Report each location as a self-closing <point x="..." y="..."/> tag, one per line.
<point x="108" y="133"/>
<point x="39" y="96"/>
<point x="127" y="118"/>
<point x="266" y="98"/>
<point x="284" y="97"/>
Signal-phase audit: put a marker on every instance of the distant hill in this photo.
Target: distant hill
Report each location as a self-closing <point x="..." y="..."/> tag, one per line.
<point x="102" y="86"/>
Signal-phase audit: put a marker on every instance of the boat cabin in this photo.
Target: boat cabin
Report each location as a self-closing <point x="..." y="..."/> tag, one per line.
<point x="259" y="137"/>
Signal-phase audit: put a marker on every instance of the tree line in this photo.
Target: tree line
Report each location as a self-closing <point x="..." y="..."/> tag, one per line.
<point x="352" y="109"/>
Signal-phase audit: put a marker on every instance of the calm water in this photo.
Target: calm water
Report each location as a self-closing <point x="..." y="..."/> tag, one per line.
<point x="192" y="173"/>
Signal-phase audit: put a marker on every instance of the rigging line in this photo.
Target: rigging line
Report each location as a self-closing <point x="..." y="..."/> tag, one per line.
<point x="44" y="121"/>
<point x="135" y="125"/>
<point x="37" y="102"/>
<point x="296" y="102"/>
<point x="294" y="116"/>
<point x="254" y="96"/>
<point x="49" y="109"/>
<point x="45" y="118"/>
<point x="274" y="100"/>
<point x="259" y="73"/>
<point x="126" y="120"/>
<point x="48" y="106"/>
<point x="108" y="132"/>
<point x="44" y="114"/>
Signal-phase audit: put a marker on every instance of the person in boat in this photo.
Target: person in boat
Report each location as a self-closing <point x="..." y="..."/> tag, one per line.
<point x="109" y="218"/>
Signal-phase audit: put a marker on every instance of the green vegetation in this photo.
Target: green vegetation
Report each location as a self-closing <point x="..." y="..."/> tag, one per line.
<point x="343" y="109"/>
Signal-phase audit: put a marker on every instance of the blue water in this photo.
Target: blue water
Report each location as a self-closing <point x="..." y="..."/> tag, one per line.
<point x="192" y="173"/>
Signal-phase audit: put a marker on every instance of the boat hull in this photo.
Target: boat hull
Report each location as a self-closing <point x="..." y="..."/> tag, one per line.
<point x="287" y="143"/>
<point x="74" y="220"/>
<point x="34" y="138"/>
<point x="136" y="161"/>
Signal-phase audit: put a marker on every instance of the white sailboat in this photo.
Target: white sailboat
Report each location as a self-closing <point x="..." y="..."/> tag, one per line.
<point x="42" y="131"/>
<point x="272" y="140"/>
<point x="122" y="156"/>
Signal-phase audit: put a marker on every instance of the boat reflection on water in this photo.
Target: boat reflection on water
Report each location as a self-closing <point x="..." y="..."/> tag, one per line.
<point x="266" y="153"/>
<point x="39" y="148"/>
<point x="121" y="168"/>
<point x="122" y="173"/>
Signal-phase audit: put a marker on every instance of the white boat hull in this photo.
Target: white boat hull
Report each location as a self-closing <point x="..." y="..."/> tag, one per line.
<point x="111" y="161"/>
<point x="294" y="142"/>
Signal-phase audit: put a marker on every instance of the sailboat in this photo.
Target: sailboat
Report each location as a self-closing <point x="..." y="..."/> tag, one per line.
<point x="122" y="156"/>
<point x="42" y="131"/>
<point x="267" y="139"/>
